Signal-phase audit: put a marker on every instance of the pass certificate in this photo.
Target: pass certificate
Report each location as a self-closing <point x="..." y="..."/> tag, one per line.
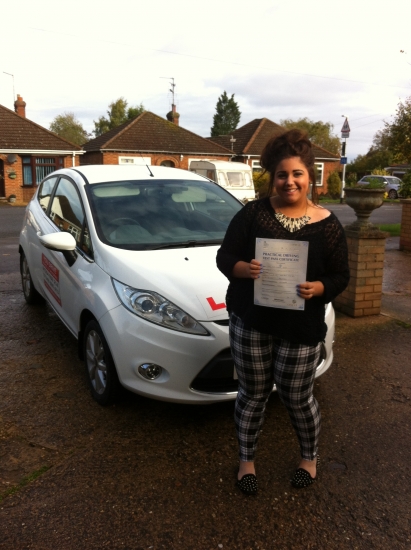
<point x="284" y="267"/>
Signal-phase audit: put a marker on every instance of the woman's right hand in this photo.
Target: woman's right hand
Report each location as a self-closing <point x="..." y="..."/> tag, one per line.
<point x="245" y="270"/>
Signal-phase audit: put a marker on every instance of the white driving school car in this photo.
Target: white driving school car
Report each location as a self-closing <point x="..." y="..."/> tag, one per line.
<point x="125" y="255"/>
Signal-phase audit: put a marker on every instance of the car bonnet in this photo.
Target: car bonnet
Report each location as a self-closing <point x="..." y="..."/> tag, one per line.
<point x="188" y="277"/>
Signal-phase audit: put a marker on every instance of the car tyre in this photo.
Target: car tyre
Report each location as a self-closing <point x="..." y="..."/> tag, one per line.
<point x="101" y="371"/>
<point x="392" y="194"/>
<point x="31" y="295"/>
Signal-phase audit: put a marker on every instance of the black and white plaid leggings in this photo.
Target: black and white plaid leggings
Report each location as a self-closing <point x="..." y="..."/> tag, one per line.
<point x="261" y="361"/>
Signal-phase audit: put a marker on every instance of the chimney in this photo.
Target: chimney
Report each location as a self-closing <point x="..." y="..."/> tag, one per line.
<point x="20" y="106"/>
<point x="173" y="116"/>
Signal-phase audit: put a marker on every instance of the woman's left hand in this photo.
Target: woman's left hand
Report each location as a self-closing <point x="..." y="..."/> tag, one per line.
<point x="309" y="289"/>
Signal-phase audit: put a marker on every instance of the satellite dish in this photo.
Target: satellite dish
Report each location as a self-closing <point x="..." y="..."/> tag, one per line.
<point x="11" y="158"/>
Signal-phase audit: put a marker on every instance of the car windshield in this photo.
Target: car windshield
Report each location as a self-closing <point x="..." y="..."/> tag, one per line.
<point x="147" y="214"/>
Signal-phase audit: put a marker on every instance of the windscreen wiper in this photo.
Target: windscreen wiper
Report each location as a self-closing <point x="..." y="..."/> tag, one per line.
<point x="187" y="244"/>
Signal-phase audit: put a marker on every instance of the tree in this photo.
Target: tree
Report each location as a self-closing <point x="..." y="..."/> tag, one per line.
<point x="117" y="114"/>
<point x="320" y="133"/>
<point x="334" y="185"/>
<point x="390" y="145"/>
<point x="378" y="156"/>
<point x="398" y="133"/>
<point x="69" y="128"/>
<point x="405" y="187"/>
<point x="227" y="116"/>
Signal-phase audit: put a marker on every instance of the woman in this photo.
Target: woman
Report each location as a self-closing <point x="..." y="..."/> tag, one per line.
<point x="281" y="346"/>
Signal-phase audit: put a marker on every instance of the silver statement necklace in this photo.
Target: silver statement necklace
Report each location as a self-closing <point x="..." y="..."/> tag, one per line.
<point x="292" y="224"/>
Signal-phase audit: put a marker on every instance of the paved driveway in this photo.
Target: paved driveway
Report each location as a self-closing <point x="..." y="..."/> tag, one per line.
<point x="151" y="475"/>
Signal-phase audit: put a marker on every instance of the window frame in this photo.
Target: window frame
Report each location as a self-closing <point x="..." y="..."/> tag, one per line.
<point x="134" y="160"/>
<point x="33" y="164"/>
<point x="85" y="228"/>
<point x="319" y="170"/>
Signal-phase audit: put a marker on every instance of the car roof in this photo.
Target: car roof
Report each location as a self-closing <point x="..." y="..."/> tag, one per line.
<point x="223" y="164"/>
<point x="98" y="173"/>
<point x="380" y="176"/>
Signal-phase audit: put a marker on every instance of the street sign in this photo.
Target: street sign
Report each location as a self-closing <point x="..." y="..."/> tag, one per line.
<point x="345" y="130"/>
<point x="343" y="160"/>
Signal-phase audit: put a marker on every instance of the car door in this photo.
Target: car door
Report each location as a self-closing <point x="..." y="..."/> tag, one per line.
<point x="38" y="224"/>
<point x="65" y="284"/>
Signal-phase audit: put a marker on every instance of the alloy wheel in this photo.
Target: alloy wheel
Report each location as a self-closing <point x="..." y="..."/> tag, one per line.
<point x="96" y="362"/>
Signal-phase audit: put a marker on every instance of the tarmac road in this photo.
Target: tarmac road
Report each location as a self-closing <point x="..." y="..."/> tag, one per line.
<point x="150" y="475"/>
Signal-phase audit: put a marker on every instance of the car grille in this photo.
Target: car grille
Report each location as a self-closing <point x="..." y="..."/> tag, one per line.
<point x="217" y="375"/>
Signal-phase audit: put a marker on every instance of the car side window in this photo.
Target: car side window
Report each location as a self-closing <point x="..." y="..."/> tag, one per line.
<point x="86" y="245"/>
<point x="44" y="193"/>
<point x="66" y="209"/>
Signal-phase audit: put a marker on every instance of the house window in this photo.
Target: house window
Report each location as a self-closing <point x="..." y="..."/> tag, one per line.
<point x="319" y="170"/>
<point x="135" y="160"/>
<point x="36" y="169"/>
<point x="256" y="166"/>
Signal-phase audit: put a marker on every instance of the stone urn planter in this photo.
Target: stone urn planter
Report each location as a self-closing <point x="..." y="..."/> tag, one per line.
<point x="363" y="202"/>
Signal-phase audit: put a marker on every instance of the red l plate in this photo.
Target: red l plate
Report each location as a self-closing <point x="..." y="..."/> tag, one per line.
<point x="215" y="306"/>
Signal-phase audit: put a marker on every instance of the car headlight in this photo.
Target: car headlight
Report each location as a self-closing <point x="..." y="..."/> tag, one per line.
<point x="155" y="308"/>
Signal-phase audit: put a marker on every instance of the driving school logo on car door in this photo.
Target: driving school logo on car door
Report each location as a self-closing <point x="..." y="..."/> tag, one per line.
<point x="51" y="278"/>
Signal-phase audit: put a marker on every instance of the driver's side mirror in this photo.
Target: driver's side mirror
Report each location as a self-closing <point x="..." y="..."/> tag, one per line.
<point x="61" y="242"/>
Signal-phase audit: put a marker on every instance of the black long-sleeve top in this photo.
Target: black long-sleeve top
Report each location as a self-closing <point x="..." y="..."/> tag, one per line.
<point x="327" y="262"/>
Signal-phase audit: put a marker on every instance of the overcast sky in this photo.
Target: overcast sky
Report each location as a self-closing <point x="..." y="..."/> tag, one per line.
<point x="282" y="59"/>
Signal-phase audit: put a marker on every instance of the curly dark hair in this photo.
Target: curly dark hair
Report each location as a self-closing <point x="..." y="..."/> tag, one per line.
<point x="292" y="143"/>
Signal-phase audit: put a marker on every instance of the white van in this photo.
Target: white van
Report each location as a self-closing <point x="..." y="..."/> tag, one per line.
<point x="236" y="177"/>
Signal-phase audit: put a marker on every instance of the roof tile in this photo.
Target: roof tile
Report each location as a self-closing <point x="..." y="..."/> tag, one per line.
<point x="150" y="132"/>
<point x="21" y="133"/>
<point x="252" y="138"/>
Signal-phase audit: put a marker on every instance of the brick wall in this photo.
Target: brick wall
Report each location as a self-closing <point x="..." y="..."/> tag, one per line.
<point x="15" y="186"/>
<point x="12" y="186"/>
<point x="405" y="235"/>
<point x="366" y="251"/>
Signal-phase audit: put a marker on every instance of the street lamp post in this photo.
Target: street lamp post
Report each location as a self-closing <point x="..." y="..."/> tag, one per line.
<point x="345" y="133"/>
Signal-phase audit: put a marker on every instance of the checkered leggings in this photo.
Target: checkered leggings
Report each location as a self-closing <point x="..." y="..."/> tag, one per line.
<point x="261" y="361"/>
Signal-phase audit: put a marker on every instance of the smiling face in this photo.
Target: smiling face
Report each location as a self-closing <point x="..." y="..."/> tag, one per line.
<point x="292" y="181"/>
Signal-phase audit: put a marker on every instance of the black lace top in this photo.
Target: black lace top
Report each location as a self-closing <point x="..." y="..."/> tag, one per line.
<point x="327" y="262"/>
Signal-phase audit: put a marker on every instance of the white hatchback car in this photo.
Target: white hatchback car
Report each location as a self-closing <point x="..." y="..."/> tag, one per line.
<point x="125" y="255"/>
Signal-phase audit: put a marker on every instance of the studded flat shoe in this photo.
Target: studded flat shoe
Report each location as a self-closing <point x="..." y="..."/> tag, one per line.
<point x="302" y="478"/>
<point x="248" y="484"/>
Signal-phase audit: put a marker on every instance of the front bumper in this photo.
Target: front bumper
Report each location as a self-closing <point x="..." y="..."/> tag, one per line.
<point x="196" y="369"/>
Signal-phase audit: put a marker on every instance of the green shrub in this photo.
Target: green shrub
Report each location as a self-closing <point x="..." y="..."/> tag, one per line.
<point x="373" y="183"/>
<point x="351" y="179"/>
<point x="261" y="180"/>
<point x="379" y="172"/>
<point x="405" y="187"/>
<point x="334" y="185"/>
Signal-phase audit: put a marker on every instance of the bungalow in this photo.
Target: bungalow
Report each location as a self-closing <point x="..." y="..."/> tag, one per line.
<point x="28" y="152"/>
<point x="247" y="143"/>
<point x="151" y="139"/>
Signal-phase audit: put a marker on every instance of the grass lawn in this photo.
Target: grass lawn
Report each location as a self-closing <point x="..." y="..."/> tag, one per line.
<point x="393" y="229"/>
